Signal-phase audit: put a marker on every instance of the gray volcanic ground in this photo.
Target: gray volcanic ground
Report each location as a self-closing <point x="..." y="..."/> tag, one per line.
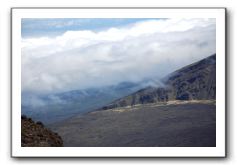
<point x="184" y="125"/>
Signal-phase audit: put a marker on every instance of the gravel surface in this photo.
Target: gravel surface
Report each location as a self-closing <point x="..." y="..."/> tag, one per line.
<point x="184" y="125"/>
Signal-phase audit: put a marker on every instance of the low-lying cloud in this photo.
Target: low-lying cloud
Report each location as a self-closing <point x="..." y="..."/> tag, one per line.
<point x="85" y="59"/>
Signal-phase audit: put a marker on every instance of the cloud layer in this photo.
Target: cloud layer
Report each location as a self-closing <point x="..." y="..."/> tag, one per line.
<point x="86" y="58"/>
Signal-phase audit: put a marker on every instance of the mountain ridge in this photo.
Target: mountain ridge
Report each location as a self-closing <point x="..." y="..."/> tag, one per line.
<point x="179" y="113"/>
<point x="193" y="82"/>
<point x="60" y="106"/>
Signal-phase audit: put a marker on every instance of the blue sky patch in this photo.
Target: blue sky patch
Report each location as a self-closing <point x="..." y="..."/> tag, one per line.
<point x="39" y="27"/>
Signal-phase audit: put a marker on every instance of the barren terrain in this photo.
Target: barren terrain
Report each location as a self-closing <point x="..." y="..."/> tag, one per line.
<point x="180" y="123"/>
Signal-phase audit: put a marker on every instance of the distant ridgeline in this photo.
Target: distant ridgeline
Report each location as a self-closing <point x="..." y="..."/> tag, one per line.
<point x="193" y="82"/>
<point x="196" y="81"/>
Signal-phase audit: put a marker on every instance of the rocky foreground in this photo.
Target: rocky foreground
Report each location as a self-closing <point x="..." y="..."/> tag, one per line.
<point x="179" y="123"/>
<point x="36" y="135"/>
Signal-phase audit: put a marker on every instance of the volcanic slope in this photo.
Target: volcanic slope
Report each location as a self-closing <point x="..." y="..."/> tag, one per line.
<point x="181" y="113"/>
<point x="193" y="82"/>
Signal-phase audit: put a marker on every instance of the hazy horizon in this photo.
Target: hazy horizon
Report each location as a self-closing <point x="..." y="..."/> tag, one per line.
<point x="60" y="55"/>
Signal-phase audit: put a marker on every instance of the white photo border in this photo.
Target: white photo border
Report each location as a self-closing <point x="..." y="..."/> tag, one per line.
<point x="115" y="12"/>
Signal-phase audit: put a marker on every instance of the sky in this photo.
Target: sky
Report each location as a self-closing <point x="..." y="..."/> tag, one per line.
<point x="60" y="55"/>
<point x="57" y="26"/>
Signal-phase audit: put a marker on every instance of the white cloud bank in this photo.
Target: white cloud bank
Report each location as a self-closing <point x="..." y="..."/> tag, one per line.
<point x="84" y="59"/>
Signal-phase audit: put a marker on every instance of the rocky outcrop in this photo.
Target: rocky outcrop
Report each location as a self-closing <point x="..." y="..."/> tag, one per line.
<point x="193" y="82"/>
<point x="36" y="135"/>
<point x="196" y="81"/>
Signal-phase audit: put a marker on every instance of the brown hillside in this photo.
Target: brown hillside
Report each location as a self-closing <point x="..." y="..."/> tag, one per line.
<point x="36" y="135"/>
